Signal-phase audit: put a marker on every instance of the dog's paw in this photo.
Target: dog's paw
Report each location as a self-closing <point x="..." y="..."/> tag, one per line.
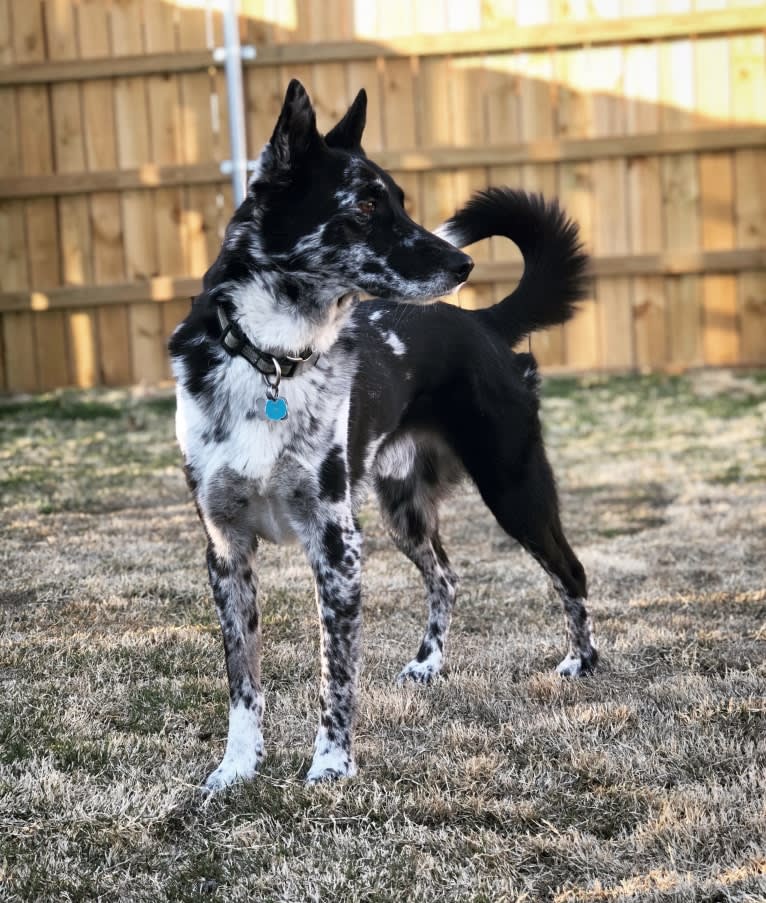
<point x="229" y="772"/>
<point x="420" y="672"/>
<point x="576" y="665"/>
<point x="331" y="764"/>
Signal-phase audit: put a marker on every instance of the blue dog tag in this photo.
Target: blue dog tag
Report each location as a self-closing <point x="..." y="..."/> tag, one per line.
<point x="276" y="409"/>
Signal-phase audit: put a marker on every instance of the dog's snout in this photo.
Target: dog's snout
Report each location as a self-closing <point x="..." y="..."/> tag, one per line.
<point x="463" y="267"/>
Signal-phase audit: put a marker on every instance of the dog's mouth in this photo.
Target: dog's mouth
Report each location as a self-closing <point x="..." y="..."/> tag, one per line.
<point x="425" y="300"/>
<point x="417" y="295"/>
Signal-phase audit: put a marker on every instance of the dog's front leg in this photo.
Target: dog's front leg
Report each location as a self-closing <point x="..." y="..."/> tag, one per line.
<point x="335" y="555"/>
<point x="235" y="591"/>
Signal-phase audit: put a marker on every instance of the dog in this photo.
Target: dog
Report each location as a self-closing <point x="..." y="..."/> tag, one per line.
<point x="294" y="397"/>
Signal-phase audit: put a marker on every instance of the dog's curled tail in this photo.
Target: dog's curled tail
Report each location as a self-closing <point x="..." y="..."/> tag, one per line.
<point x="555" y="274"/>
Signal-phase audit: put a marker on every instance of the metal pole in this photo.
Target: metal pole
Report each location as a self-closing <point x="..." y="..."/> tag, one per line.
<point x="235" y="99"/>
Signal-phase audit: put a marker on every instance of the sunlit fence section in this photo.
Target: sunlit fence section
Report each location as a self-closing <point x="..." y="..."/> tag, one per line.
<point x="647" y="118"/>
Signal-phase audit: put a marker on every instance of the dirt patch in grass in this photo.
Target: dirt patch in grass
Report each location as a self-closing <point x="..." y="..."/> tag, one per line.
<point x="501" y="782"/>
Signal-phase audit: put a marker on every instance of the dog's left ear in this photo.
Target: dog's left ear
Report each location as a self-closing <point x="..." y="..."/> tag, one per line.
<point x="295" y="133"/>
<point x="347" y="134"/>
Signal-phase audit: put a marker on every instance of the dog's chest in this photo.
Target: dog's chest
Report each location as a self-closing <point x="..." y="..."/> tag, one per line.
<point x="249" y="469"/>
<point x="245" y="490"/>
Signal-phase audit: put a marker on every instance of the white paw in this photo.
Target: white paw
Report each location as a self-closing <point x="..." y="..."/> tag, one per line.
<point x="244" y="750"/>
<point x="571" y="666"/>
<point x="421" y="672"/>
<point x="579" y="665"/>
<point x="229" y="772"/>
<point x="330" y="765"/>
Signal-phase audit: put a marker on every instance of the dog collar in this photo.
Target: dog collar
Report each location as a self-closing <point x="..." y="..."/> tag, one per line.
<point x="237" y="343"/>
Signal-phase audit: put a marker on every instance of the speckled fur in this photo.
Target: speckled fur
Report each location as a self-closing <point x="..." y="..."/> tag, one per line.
<point x="378" y="408"/>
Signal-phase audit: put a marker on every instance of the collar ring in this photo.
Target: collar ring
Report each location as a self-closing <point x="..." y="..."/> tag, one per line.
<point x="273" y="380"/>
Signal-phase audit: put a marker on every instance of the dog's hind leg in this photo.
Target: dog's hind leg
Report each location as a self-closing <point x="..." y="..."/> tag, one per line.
<point x="409" y="504"/>
<point x="235" y="591"/>
<point x="582" y="655"/>
<point x="526" y="506"/>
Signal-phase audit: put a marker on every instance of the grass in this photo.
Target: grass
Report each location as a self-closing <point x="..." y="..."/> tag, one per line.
<point x="502" y="782"/>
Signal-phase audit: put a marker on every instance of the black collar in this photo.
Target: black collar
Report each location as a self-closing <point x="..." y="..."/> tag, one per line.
<point x="237" y="343"/>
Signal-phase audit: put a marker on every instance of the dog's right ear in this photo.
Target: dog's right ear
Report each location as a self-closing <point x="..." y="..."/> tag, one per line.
<point x="347" y="134"/>
<point x="295" y="133"/>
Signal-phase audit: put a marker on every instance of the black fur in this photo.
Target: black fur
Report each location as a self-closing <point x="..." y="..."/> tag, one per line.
<point x="410" y="398"/>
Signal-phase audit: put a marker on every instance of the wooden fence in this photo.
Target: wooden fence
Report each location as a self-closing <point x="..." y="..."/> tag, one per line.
<point x="645" y="116"/>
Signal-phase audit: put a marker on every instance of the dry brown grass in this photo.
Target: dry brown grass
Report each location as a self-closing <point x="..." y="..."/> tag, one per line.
<point x="502" y="782"/>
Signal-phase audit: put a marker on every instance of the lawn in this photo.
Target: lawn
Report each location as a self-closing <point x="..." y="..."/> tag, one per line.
<point x="501" y="782"/>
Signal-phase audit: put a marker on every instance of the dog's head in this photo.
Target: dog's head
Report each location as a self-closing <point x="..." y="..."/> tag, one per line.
<point x="325" y="214"/>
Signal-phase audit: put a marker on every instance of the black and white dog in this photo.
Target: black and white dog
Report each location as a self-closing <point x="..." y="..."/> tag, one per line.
<point x="293" y="399"/>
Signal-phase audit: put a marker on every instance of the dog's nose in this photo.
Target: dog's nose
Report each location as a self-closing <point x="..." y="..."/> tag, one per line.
<point x="463" y="269"/>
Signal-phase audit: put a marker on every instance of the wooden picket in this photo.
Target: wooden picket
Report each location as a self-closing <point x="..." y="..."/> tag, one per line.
<point x="646" y="117"/>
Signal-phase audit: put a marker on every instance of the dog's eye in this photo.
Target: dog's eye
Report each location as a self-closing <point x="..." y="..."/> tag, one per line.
<point x="366" y="207"/>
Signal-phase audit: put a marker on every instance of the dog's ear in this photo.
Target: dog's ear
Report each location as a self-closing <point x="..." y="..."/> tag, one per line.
<point x="347" y="134"/>
<point x="295" y="133"/>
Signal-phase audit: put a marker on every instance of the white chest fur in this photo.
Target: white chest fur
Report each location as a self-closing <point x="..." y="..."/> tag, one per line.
<point x="233" y="451"/>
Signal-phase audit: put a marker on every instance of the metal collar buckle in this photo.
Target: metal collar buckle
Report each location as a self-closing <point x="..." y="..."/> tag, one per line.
<point x="273" y="381"/>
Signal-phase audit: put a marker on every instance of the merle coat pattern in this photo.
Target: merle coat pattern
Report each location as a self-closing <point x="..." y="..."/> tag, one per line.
<point x="384" y="405"/>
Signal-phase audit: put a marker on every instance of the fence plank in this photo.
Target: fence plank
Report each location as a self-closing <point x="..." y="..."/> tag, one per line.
<point x="749" y="105"/>
<point x="684" y="322"/>
<point x="680" y="197"/>
<point x="19" y="369"/>
<point x="22" y="371"/>
<point x="750" y="175"/>
<point x="13" y="273"/>
<point x="644" y="196"/>
<point x="168" y="112"/>
<point x="751" y="289"/>
<point x="647" y="292"/>
<point x="610" y="235"/>
<point x="46" y="334"/>
<point x="52" y="354"/>
<point x="81" y="330"/>
<point x="720" y="320"/>
<point x="574" y="124"/>
<point x="330" y="94"/>
<point x="114" y="345"/>
<point x="369" y="75"/>
<point x="716" y="180"/>
<point x="20" y="353"/>
<point x="98" y="103"/>
<point x="468" y="127"/>
<point x="720" y="336"/>
<point x="6" y="38"/>
<point x="74" y="333"/>
<point x="203" y="138"/>
<point x="399" y="114"/>
<point x="537" y="120"/>
<point x="262" y="104"/>
<point x="133" y="149"/>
